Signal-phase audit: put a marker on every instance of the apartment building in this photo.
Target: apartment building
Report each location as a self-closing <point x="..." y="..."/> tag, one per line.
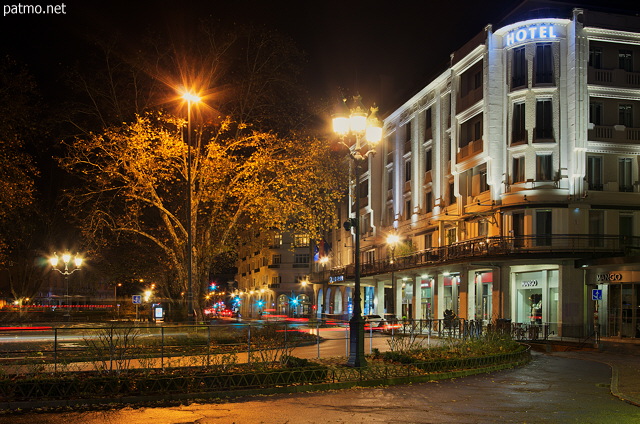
<point x="513" y="183"/>
<point x="273" y="276"/>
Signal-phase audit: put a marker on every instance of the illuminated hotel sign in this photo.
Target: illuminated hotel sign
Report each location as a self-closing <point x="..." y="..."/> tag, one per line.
<point x="531" y="33"/>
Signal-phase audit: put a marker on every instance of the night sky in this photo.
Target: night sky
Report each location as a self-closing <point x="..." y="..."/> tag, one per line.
<point x="357" y="45"/>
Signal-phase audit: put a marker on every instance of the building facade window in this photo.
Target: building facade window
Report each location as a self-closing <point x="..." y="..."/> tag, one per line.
<point x="301" y="258"/>
<point x="519" y="68"/>
<point x="625" y="60"/>
<point x="544" y="120"/>
<point x="517" y="172"/>
<point x="389" y="157"/>
<point x="427" y="120"/>
<point x="595" y="57"/>
<point x="596" y="228"/>
<point x="428" y="202"/>
<point x="428" y="160"/>
<point x="300" y="240"/>
<point x="452" y="193"/>
<point x="595" y="113"/>
<point x="594" y="173"/>
<point x="364" y="189"/>
<point x="407" y="209"/>
<point x="544" y="166"/>
<point x="277" y="240"/>
<point x="625" y="174"/>
<point x="519" y="130"/>
<point x="451" y="235"/>
<point x="407" y="137"/>
<point x="483" y="228"/>
<point x="625" y="115"/>
<point x="544" y="64"/>
<point x="407" y="171"/>
<point x="276" y="259"/>
<point x="543" y="228"/>
<point x="390" y="179"/>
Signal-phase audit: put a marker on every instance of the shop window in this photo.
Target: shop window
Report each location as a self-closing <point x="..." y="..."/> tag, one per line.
<point x="519" y="68"/>
<point x="544" y="120"/>
<point x="625" y="177"/>
<point x="519" y="131"/>
<point x="544" y="64"/>
<point x="594" y="173"/>
<point x="544" y="165"/>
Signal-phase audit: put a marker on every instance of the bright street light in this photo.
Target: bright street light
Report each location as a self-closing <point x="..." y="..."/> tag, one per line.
<point x="366" y="128"/>
<point x="191" y="98"/>
<point x="66" y="271"/>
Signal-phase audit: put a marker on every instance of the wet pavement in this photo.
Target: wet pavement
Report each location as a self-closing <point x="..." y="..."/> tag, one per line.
<point x="559" y="387"/>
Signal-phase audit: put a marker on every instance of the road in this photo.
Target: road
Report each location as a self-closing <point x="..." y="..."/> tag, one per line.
<point x="550" y="389"/>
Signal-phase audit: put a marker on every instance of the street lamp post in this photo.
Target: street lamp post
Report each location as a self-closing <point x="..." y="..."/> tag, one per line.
<point x="392" y="240"/>
<point x="190" y="98"/>
<point x="115" y="299"/>
<point x="367" y="130"/>
<point x="66" y="260"/>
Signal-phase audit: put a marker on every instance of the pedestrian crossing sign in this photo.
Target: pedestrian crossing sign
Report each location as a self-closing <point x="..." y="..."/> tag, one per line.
<point x="136" y="299"/>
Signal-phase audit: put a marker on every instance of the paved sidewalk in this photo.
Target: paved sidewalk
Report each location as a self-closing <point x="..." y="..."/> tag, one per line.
<point x="625" y="371"/>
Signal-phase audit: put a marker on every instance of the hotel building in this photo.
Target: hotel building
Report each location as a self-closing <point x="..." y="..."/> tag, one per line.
<point x="513" y="182"/>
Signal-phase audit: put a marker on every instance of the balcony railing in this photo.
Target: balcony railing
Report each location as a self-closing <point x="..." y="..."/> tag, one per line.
<point x="613" y="134"/>
<point x="556" y="245"/>
<point x="613" y="77"/>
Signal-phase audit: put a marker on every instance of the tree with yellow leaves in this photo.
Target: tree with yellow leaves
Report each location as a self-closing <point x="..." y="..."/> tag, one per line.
<point x="134" y="182"/>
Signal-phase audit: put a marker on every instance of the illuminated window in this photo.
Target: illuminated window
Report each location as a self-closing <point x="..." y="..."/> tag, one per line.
<point x="301" y="240"/>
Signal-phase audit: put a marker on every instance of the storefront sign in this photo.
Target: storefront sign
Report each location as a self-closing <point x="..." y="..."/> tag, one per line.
<point x="335" y="279"/>
<point x="530" y="283"/>
<point x="530" y="33"/>
<point x="612" y="277"/>
<point x="608" y="278"/>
